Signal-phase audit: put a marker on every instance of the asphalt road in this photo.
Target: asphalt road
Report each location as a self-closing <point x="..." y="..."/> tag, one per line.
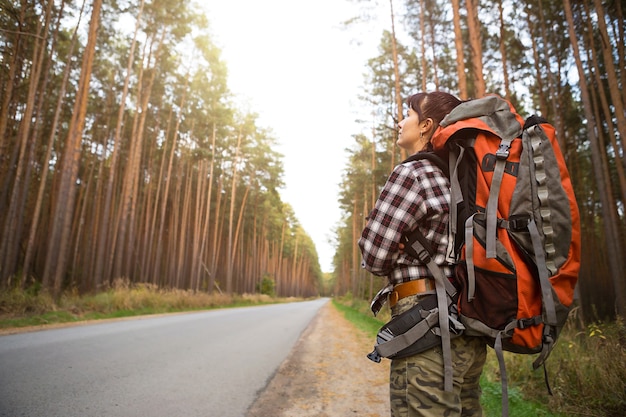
<point x="199" y="364"/>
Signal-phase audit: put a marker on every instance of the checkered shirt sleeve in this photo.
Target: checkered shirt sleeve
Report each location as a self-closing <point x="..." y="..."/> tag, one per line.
<point x="416" y="194"/>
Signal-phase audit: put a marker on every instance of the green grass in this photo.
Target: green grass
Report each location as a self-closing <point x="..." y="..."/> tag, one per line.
<point x="519" y="406"/>
<point x="586" y="370"/>
<point x="366" y="324"/>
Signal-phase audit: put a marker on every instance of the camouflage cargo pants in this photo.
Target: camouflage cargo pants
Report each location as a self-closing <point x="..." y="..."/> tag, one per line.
<point x="416" y="382"/>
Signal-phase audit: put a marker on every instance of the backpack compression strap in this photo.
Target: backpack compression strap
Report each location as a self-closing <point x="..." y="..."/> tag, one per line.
<point x="469" y="257"/>
<point x="502" y="154"/>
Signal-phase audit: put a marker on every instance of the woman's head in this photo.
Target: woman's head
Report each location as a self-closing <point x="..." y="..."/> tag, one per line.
<point x="426" y="111"/>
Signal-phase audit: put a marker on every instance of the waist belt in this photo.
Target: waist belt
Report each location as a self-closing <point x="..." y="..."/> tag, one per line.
<point x="406" y="289"/>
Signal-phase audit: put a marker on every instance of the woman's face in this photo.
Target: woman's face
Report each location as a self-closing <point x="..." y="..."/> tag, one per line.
<point x="410" y="135"/>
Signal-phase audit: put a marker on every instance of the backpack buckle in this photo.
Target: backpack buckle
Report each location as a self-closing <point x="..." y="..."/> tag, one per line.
<point x="503" y="150"/>
<point x="374" y="356"/>
<point x="423" y="256"/>
<point x="526" y="323"/>
<point x="518" y="223"/>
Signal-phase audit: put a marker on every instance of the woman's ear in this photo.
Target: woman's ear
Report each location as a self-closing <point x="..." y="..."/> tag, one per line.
<point x="428" y="126"/>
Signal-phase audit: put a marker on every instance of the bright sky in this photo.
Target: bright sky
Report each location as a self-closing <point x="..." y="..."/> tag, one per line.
<point x="290" y="62"/>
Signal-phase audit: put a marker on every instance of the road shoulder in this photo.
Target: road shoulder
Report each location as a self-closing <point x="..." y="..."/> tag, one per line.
<point x="327" y="374"/>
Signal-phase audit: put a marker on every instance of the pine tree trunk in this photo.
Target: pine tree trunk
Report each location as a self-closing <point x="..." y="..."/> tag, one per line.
<point x="198" y="225"/>
<point x="13" y="221"/>
<point x="552" y="91"/>
<point x="233" y="193"/>
<point x="396" y="72"/>
<point x="216" y="246"/>
<point x="105" y="224"/>
<point x="615" y="254"/>
<point x="621" y="51"/>
<point x="207" y="213"/>
<point x="183" y="227"/>
<point x="15" y="66"/>
<point x="433" y="45"/>
<point x="240" y="218"/>
<point x="355" y="250"/>
<point x="475" y="41"/>
<point x="45" y="166"/>
<point x="158" y="264"/>
<point x="612" y="73"/>
<point x="423" y="47"/>
<point x="55" y="266"/>
<point x="505" y="66"/>
<point x="604" y="103"/>
<point x="543" y="105"/>
<point x="126" y="248"/>
<point x="460" y="56"/>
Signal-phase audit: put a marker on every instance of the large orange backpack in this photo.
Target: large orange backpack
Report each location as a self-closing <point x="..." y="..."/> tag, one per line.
<point x="515" y="228"/>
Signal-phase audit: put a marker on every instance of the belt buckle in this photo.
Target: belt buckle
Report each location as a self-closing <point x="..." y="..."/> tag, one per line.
<point x="380" y="299"/>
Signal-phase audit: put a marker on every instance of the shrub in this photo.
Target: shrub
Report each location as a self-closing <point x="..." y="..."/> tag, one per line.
<point x="267" y="286"/>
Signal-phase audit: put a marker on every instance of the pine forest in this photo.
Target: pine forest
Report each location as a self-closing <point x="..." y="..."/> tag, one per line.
<point x="124" y="156"/>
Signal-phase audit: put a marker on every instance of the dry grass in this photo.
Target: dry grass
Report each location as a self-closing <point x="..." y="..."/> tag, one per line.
<point x="26" y="308"/>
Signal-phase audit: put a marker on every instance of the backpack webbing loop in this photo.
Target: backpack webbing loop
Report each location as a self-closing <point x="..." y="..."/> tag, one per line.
<point x="536" y="136"/>
<point x="544" y="250"/>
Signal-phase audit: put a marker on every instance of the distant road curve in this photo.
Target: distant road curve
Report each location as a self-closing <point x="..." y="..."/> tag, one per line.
<point x="205" y="364"/>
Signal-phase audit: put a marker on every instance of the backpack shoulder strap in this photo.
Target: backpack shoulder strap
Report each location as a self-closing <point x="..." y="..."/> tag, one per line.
<point x="418" y="246"/>
<point x="534" y="120"/>
<point x="436" y="157"/>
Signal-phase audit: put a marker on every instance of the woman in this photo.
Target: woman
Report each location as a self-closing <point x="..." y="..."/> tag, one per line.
<point x="416" y="195"/>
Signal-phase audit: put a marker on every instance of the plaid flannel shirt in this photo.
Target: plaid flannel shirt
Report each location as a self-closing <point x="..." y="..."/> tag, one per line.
<point x="416" y="194"/>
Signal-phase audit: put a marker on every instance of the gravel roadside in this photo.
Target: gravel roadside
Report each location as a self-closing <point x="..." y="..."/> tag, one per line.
<point x="327" y="374"/>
